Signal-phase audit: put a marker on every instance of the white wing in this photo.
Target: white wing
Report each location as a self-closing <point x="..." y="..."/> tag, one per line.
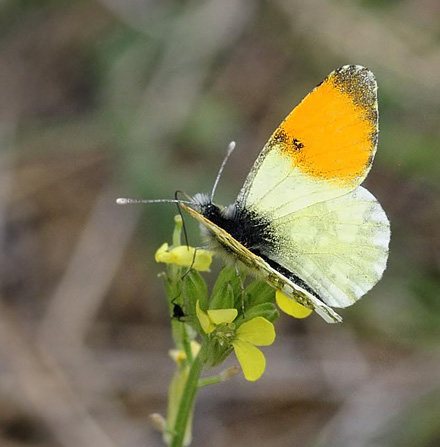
<point x="338" y="247"/>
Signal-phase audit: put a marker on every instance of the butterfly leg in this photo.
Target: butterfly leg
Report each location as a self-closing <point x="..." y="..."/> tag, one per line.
<point x="240" y="278"/>
<point x="192" y="263"/>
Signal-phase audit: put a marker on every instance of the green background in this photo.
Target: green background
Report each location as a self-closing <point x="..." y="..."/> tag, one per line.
<point x="108" y="98"/>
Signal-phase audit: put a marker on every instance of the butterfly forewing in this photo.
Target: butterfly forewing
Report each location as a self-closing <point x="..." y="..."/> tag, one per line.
<point x="323" y="149"/>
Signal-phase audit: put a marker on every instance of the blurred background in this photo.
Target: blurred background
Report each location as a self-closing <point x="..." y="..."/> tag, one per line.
<point x="107" y="98"/>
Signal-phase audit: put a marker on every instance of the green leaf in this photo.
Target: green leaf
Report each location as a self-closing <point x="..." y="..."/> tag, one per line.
<point x="265" y="310"/>
<point x="194" y="288"/>
<point x="258" y="292"/>
<point x="227" y="276"/>
<point x="216" y="353"/>
<point x="222" y="297"/>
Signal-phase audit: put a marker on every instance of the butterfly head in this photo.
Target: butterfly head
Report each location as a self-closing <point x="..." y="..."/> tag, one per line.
<point x="203" y="204"/>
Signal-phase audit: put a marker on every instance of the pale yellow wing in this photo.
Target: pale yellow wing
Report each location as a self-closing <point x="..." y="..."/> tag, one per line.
<point x="338" y="247"/>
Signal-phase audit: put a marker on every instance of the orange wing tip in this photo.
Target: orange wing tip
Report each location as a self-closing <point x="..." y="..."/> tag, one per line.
<point x="332" y="134"/>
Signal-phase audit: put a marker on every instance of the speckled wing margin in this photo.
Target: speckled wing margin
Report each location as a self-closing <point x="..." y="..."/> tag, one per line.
<point x="262" y="269"/>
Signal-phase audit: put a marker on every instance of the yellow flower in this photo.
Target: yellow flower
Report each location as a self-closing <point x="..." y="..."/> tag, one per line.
<point x="214" y="317"/>
<point x="255" y="332"/>
<point x="184" y="256"/>
<point x="290" y="306"/>
<point x="178" y="355"/>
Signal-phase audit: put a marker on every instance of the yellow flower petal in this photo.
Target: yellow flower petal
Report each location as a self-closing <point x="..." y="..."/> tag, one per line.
<point x="161" y="253"/>
<point x="257" y="331"/>
<point x="251" y="359"/>
<point x="203" y="260"/>
<point x="204" y="320"/>
<point x="184" y="256"/>
<point x="219" y="316"/>
<point x="177" y="355"/>
<point x="291" y="307"/>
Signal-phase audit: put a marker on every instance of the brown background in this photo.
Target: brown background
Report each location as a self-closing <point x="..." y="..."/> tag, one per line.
<point x="108" y="98"/>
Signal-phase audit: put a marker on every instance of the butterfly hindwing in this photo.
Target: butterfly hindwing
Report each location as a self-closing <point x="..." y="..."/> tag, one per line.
<point x="338" y="247"/>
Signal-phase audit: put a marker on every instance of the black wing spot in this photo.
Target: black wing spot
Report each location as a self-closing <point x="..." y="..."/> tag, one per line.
<point x="297" y="145"/>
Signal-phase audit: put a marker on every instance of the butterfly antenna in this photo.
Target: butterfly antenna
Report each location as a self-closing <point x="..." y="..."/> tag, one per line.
<point x="178" y="202"/>
<point x="192" y="264"/>
<point x="231" y="148"/>
<point x="129" y="201"/>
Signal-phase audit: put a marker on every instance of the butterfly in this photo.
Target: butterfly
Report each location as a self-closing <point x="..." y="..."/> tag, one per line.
<point x="301" y="221"/>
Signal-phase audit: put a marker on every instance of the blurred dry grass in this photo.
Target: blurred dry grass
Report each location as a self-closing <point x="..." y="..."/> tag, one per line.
<point x="100" y="99"/>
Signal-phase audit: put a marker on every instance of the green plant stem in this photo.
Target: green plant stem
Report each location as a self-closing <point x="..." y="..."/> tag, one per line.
<point x="187" y="400"/>
<point x="186" y="344"/>
<point x="210" y="381"/>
